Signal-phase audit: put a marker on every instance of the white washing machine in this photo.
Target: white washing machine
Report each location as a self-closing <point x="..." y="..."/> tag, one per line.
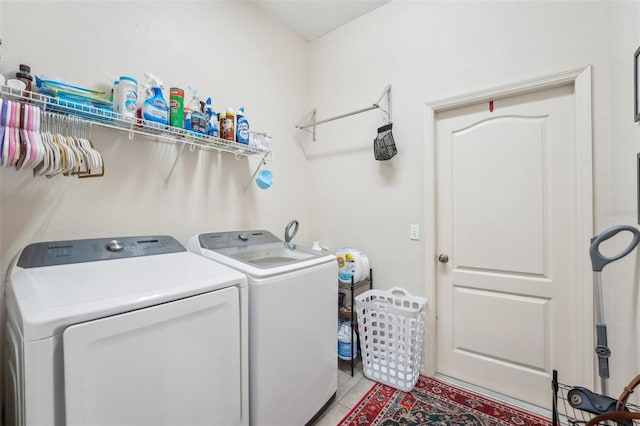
<point x="126" y="331"/>
<point x="292" y="323"/>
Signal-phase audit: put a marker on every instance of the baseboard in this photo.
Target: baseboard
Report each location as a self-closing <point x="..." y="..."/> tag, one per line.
<point x="540" y="411"/>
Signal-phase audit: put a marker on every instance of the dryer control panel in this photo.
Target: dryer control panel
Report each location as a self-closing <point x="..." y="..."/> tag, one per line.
<point x="90" y="250"/>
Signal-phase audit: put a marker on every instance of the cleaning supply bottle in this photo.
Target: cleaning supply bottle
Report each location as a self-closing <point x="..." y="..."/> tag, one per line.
<point x="222" y="116"/>
<point x="199" y="120"/>
<point x="212" y="119"/>
<point x="194" y="118"/>
<point x="115" y="96"/>
<point x="228" y="131"/>
<point x="345" y="343"/>
<point x="127" y="97"/>
<point x="188" y="111"/>
<point x="176" y="107"/>
<point x="154" y="107"/>
<point x="242" y="127"/>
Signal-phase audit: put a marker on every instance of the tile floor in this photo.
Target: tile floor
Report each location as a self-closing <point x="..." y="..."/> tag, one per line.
<point x="350" y="391"/>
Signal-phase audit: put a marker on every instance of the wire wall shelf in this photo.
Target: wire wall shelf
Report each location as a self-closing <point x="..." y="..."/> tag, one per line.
<point x="135" y="126"/>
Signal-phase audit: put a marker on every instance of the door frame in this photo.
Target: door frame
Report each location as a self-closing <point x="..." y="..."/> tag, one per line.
<point x="580" y="78"/>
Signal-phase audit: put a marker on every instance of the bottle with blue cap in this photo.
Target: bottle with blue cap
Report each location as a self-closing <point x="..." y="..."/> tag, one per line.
<point x="242" y="127"/>
<point x="154" y="108"/>
<point x="212" y="119"/>
<point x="346" y="349"/>
<point x="128" y="97"/>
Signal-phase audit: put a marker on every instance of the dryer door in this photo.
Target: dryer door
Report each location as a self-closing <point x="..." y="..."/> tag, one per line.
<point x="177" y="363"/>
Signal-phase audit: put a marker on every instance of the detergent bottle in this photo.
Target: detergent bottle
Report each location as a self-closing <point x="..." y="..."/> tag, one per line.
<point x="242" y="127"/>
<point x="127" y="97"/>
<point x="154" y="107"/>
<point x="345" y="344"/>
<point x="352" y="264"/>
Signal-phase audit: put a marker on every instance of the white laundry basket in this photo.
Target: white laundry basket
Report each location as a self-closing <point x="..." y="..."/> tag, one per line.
<point x="391" y="325"/>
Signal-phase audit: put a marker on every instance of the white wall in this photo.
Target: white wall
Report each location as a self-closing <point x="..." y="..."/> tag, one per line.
<point x="622" y="279"/>
<point x="434" y="50"/>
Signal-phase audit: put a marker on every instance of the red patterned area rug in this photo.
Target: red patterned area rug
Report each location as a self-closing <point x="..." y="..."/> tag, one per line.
<point x="432" y="402"/>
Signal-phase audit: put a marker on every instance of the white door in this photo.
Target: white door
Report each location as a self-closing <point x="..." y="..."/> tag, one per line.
<point x="507" y="202"/>
<point x="177" y="363"/>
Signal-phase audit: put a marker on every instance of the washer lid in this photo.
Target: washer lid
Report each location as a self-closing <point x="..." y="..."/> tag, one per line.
<point x="44" y="300"/>
<point x="257" y="253"/>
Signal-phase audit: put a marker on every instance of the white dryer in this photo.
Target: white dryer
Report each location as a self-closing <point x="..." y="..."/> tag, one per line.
<point x="292" y="323"/>
<point x="126" y="331"/>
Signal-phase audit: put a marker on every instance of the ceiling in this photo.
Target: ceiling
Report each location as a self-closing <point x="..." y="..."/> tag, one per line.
<point x="311" y="19"/>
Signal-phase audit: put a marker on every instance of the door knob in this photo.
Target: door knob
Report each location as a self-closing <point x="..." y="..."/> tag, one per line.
<point x="443" y="258"/>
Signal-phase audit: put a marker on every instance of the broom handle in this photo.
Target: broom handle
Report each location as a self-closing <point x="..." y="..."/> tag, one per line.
<point x="602" y="350"/>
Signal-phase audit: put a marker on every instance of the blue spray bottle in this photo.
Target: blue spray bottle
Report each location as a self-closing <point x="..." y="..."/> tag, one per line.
<point x="154" y="108"/>
<point x="212" y="117"/>
<point x="242" y="127"/>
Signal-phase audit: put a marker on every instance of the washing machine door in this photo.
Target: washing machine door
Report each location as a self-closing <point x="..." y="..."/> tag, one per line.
<point x="176" y="363"/>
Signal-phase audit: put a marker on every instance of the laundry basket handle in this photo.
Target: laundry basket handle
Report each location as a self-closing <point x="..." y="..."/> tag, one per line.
<point x="598" y="260"/>
<point x="399" y="291"/>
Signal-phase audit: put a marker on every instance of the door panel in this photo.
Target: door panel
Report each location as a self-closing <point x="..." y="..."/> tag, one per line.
<point x="506" y="207"/>
<point x="488" y="165"/>
<point x="499" y="309"/>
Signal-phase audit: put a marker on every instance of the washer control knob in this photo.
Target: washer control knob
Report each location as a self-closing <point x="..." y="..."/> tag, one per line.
<point x="243" y="237"/>
<point x="115" y="245"/>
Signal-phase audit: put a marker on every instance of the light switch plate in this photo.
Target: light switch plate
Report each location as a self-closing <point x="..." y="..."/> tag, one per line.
<point x="414" y="232"/>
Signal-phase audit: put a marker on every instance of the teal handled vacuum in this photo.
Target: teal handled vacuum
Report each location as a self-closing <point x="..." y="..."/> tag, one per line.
<point x="598" y="262"/>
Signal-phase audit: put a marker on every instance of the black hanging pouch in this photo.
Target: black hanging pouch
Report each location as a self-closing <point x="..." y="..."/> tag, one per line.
<point x="384" y="147"/>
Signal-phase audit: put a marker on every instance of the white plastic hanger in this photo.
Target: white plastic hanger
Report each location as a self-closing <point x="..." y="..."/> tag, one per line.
<point x="3" y="121"/>
<point x="35" y="131"/>
<point x="7" y="130"/>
